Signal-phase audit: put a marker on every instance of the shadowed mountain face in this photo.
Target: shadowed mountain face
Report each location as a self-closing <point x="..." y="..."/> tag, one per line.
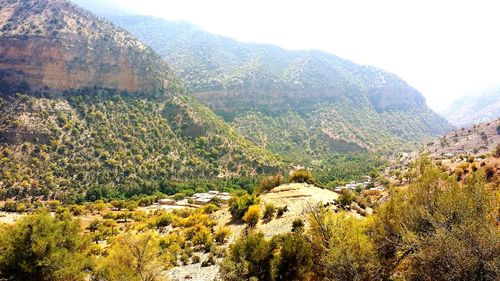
<point x="85" y="105"/>
<point x="292" y="102"/>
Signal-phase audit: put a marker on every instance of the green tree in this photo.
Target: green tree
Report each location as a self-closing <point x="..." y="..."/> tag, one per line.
<point x="42" y="247"/>
<point x="132" y="256"/>
<point x="285" y="257"/>
<point x="440" y="229"/>
<point x="249" y="257"/>
<point x="293" y="260"/>
<point x="341" y="246"/>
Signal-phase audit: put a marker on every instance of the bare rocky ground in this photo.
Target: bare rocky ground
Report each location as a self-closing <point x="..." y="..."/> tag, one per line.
<point x="298" y="197"/>
<point x="479" y="139"/>
<point x="195" y="271"/>
<point x="9" y="218"/>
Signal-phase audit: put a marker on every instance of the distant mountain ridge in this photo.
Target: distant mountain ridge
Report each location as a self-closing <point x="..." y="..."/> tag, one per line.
<point x="333" y="104"/>
<point x="475" y="108"/>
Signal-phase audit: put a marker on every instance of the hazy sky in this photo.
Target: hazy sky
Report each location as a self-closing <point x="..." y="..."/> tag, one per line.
<point x="445" y="49"/>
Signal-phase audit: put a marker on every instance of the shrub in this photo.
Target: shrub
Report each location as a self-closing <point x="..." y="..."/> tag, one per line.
<point x="43" y="247"/>
<point x="342" y="249"/>
<point x="222" y="234"/>
<point x="285" y="257"/>
<point x="269" y="211"/>
<point x="201" y="235"/>
<point x="14" y="206"/>
<point x="238" y="205"/>
<point x="179" y="196"/>
<point x="53" y="204"/>
<point x="252" y="216"/>
<point x="184" y="258"/>
<point x="77" y="210"/>
<point x="131" y="205"/>
<point x="118" y="204"/>
<point x="132" y="256"/>
<point x="249" y="257"/>
<point x="440" y="229"/>
<point x="270" y="182"/>
<point x="295" y="258"/>
<point x="346" y="197"/>
<point x="195" y="259"/>
<point x="164" y="220"/>
<point x="297" y="225"/>
<point x="209" y="261"/>
<point x="302" y="175"/>
<point x="209" y="208"/>
<point x="281" y="211"/>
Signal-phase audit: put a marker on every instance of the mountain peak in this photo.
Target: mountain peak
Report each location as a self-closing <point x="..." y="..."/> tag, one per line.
<point x="55" y="45"/>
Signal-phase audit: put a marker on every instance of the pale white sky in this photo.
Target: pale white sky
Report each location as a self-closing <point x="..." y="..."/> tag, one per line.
<point x="443" y="48"/>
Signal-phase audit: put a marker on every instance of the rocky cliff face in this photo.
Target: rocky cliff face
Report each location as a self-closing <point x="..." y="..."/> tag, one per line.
<point x="72" y="63"/>
<point x="61" y="47"/>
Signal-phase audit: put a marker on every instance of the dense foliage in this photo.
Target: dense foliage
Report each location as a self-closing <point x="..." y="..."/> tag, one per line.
<point x="341" y="168"/>
<point x="105" y="146"/>
<point x="129" y="244"/>
<point x="286" y="257"/>
<point x="437" y="228"/>
<point x="42" y="247"/>
<point x="440" y="229"/>
<point x="294" y="103"/>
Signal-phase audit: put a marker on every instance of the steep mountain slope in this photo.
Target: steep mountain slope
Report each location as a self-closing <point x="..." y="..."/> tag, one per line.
<point x="291" y="102"/>
<point x="56" y="45"/>
<point x="481" y="138"/>
<point x="100" y="110"/>
<point x="474" y="108"/>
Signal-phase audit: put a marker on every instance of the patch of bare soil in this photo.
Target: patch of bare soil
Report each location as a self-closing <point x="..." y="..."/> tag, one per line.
<point x="10" y="218"/>
<point x="195" y="271"/>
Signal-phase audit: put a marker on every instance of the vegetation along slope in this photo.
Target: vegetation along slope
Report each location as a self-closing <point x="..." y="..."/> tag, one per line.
<point x="299" y="104"/>
<point x="86" y="106"/>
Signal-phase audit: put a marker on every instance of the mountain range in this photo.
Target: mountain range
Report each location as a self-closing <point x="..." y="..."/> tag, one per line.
<point x="474" y="108"/>
<point x="295" y="103"/>
<point x="88" y="107"/>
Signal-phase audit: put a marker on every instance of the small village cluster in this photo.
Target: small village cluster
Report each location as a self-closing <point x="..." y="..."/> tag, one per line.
<point x="363" y="183"/>
<point x="198" y="198"/>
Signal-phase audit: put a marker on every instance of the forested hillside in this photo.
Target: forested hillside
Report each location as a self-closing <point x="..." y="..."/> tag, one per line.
<point x="85" y="105"/>
<point x="307" y="103"/>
